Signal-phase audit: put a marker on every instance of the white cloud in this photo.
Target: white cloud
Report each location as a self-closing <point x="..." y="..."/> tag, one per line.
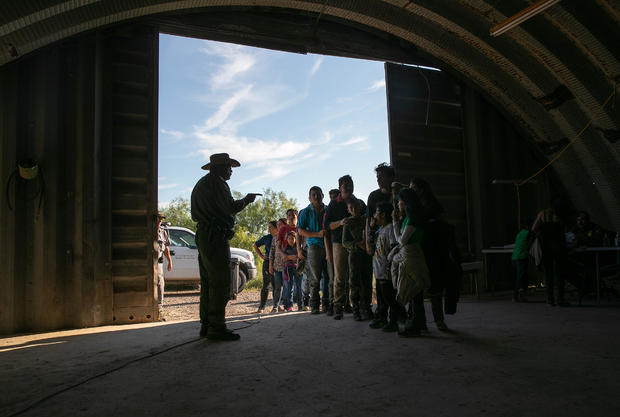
<point x="166" y="186"/>
<point x="225" y="109"/>
<point x="354" y="140"/>
<point x="175" y="134"/>
<point x="272" y="158"/>
<point x="249" y="150"/>
<point x="316" y="66"/>
<point x="377" y="85"/>
<point x="238" y="59"/>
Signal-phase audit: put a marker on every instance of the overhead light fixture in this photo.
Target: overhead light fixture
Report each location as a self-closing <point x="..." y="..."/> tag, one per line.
<point x="522" y="16"/>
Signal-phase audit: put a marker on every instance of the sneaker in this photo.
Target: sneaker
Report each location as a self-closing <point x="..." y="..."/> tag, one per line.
<point x="376" y="324"/>
<point x="289" y="309"/>
<point x="224" y="335"/>
<point x="390" y="327"/>
<point x="274" y="310"/>
<point x="261" y="310"/>
<point x="306" y="308"/>
<point x="280" y="308"/>
<point x="441" y="325"/>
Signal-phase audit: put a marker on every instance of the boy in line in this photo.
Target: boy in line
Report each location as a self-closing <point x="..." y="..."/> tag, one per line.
<point x="335" y="218"/>
<point x="267" y="277"/>
<point x="388" y="310"/>
<point x="360" y="263"/>
<point x="310" y="228"/>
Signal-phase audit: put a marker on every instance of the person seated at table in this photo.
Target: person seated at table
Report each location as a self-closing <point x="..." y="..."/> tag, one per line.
<point x="586" y="232"/>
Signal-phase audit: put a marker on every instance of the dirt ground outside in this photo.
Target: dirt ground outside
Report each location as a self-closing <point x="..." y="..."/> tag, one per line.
<point x="184" y="304"/>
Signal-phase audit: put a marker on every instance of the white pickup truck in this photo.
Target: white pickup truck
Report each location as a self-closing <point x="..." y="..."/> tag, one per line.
<point x="184" y="254"/>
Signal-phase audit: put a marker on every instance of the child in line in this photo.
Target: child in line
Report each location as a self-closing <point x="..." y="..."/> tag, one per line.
<point x="293" y="289"/>
<point x="360" y="269"/>
<point x="388" y="310"/>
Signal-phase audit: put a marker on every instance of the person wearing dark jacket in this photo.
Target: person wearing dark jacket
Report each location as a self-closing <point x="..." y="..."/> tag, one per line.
<point x="549" y="229"/>
<point x="441" y="254"/>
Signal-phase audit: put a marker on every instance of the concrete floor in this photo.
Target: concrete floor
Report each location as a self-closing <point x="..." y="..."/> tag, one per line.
<point x="501" y="359"/>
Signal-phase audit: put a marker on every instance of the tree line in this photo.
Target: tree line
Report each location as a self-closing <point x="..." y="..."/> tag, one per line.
<point x="251" y="222"/>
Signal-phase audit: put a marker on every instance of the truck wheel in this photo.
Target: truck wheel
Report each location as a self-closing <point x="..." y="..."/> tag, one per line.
<point x="243" y="279"/>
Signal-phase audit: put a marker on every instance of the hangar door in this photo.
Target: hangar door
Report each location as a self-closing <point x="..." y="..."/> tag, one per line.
<point x="130" y="134"/>
<point x="426" y="137"/>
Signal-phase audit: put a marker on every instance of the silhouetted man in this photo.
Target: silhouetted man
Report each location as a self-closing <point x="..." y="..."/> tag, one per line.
<point x="214" y="208"/>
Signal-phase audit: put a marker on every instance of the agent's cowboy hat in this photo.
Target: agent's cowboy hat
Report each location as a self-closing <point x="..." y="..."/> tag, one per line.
<point x="221" y="159"/>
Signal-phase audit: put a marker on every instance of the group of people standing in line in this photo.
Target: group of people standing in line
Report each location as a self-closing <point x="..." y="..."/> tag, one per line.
<point x="400" y="234"/>
<point x="322" y="259"/>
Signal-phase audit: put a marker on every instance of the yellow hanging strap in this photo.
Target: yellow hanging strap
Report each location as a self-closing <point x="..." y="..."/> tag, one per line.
<point x="555" y="158"/>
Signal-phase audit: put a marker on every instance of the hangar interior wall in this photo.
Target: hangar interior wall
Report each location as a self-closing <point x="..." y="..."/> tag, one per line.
<point x="447" y="133"/>
<point x="70" y="108"/>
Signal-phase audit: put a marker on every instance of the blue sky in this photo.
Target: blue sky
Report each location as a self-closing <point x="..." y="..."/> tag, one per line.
<point x="293" y="121"/>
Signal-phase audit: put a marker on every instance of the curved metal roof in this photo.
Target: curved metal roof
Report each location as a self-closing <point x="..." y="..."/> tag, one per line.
<point x="551" y="75"/>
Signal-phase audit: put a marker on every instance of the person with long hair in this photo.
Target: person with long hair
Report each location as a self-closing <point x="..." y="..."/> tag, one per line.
<point x="409" y="271"/>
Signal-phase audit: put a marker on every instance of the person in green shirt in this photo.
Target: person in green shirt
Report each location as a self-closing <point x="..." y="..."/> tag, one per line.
<point x="520" y="257"/>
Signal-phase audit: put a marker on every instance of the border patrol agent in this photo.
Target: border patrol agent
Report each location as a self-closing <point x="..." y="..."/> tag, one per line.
<point x="214" y="208"/>
<point x="163" y="241"/>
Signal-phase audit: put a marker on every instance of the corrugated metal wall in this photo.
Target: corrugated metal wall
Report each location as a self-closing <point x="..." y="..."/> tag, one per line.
<point x="450" y="135"/>
<point x="56" y="107"/>
<point x="130" y="126"/>
<point x="426" y="137"/>
<point x="53" y="276"/>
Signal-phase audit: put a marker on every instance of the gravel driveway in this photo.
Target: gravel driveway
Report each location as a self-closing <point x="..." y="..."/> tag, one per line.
<point x="183" y="305"/>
